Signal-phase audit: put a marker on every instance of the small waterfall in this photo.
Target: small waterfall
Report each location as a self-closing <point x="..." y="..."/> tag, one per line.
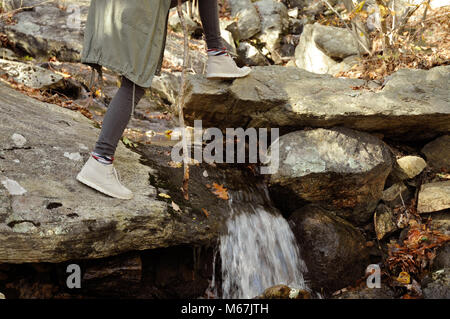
<point x="258" y="250"/>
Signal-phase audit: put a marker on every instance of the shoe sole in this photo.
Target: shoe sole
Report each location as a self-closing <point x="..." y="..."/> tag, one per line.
<point x="100" y="189"/>
<point x="226" y="75"/>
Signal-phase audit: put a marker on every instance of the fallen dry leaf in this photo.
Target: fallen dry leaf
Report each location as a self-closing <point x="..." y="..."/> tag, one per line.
<point x="404" y="278"/>
<point x="417" y="252"/>
<point x="220" y="191"/>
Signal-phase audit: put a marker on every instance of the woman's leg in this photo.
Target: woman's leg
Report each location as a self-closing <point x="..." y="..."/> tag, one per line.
<point x="209" y="14"/>
<point x="116" y="120"/>
<point x="98" y="172"/>
<point x="220" y="64"/>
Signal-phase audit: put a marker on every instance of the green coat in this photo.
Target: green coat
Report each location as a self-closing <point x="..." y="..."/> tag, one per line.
<point x="127" y="36"/>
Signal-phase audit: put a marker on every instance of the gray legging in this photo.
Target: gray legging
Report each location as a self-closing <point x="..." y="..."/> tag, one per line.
<point x="119" y="110"/>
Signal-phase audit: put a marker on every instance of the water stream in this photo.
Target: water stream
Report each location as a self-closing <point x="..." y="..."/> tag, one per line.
<point x="258" y="250"/>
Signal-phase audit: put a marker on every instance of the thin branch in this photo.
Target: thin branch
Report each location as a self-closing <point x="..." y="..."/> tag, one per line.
<point x="405" y="18"/>
<point x="425" y="11"/>
<point x="393" y="15"/>
<point x="180" y="102"/>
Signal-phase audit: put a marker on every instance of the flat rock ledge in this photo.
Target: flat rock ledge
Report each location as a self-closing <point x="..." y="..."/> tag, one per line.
<point x="46" y="215"/>
<point x="412" y="104"/>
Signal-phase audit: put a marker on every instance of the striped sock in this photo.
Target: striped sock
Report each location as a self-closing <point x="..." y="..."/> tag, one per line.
<point x="217" y="52"/>
<point x="108" y="160"/>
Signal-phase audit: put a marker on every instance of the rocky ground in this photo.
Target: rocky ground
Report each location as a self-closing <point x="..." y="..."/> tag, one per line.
<point x="364" y="176"/>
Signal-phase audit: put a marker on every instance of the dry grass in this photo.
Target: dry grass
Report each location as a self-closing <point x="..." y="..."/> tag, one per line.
<point x="421" y="45"/>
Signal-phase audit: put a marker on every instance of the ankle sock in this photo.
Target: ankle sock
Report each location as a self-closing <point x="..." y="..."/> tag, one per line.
<point x="217" y="52"/>
<point x="108" y="160"/>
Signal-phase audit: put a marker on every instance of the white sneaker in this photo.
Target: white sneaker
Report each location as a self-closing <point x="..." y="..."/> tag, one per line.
<point x="103" y="178"/>
<point x="224" y="67"/>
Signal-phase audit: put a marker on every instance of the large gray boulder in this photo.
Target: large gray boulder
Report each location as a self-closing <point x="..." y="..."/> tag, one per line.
<point x="49" y="31"/>
<point x="247" y="19"/>
<point x="414" y="104"/>
<point x="274" y="23"/>
<point x="437" y="153"/>
<point x="340" y="169"/>
<point x="326" y="49"/>
<point x="434" y="197"/>
<point x="46" y="215"/>
<point x="334" y="251"/>
<point x="250" y="55"/>
<point x="34" y="76"/>
<point x="167" y="85"/>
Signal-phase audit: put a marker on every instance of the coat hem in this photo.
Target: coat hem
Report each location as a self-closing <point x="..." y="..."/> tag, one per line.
<point x="130" y="76"/>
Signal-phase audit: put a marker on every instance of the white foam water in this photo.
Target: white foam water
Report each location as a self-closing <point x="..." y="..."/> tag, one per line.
<point x="258" y="251"/>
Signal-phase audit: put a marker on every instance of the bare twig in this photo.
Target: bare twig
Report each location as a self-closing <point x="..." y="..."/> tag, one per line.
<point x="409" y="12"/>
<point x="405" y="18"/>
<point x="180" y="102"/>
<point x="425" y="11"/>
<point x="393" y="15"/>
<point x="385" y="37"/>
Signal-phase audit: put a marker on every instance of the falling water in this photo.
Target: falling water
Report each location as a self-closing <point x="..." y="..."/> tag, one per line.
<point x="257" y="251"/>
